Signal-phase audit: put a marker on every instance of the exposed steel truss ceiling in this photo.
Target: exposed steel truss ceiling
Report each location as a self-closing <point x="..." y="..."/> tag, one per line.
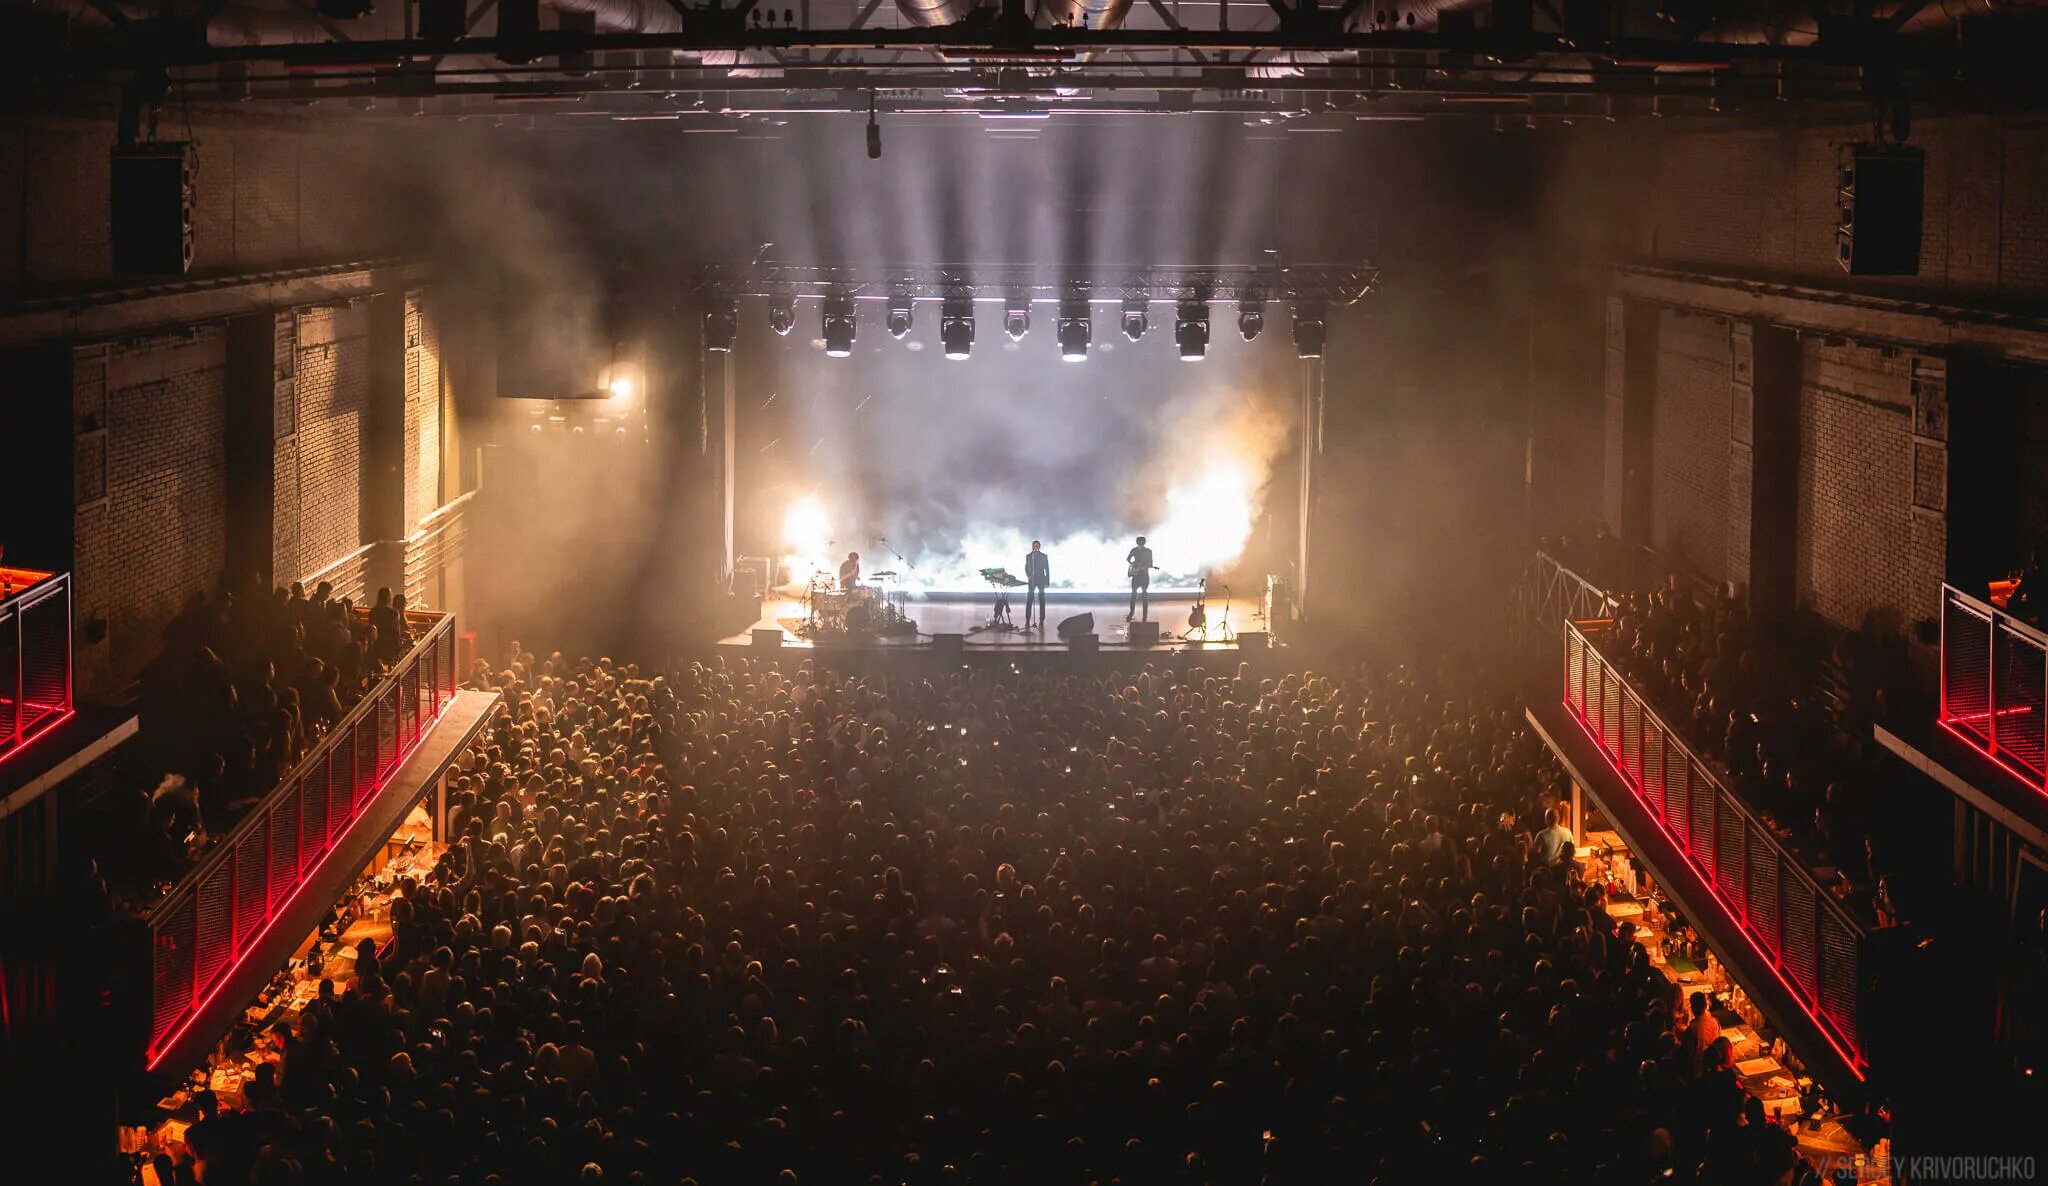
<point x="701" y="64"/>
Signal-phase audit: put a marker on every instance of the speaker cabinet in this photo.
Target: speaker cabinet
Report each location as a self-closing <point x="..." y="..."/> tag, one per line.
<point x="1083" y="644"/>
<point x="949" y="647"/>
<point x="1078" y="624"/>
<point x="767" y="638"/>
<point x="1144" y="634"/>
<point x="1252" y="640"/>
<point x="151" y="201"/>
<point x="1878" y="196"/>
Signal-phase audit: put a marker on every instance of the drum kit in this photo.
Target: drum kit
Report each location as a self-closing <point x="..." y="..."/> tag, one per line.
<point x="858" y="610"/>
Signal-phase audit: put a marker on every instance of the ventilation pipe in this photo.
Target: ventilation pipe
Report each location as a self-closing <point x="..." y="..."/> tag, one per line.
<point x="625" y="16"/>
<point x="927" y="14"/>
<point x="1087" y="14"/>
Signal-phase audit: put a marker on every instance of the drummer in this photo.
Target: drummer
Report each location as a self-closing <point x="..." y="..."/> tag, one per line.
<point x="849" y="571"/>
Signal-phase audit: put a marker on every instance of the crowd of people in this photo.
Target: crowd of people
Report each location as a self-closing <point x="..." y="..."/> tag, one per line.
<point x="1786" y="709"/>
<point x="735" y="923"/>
<point x="247" y="681"/>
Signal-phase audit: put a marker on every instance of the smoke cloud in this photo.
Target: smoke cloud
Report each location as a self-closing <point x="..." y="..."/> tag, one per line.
<point x="958" y="465"/>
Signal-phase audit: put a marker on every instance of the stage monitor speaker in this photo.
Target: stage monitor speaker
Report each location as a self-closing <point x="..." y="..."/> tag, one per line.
<point x="1078" y="624"/>
<point x="1878" y="197"/>
<point x="1144" y="634"/>
<point x="1252" y="640"/>
<point x="949" y="647"/>
<point x="151" y="200"/>
<point x="767" y="637"/>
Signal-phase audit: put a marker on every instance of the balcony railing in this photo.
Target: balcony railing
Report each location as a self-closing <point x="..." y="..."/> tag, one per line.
<point x="1994" y="670"/>
<point x="219" y="910"/>
<point x="1806" y="937"/>
<point x="35" y="655"/>
<point x="1551" y="593"/>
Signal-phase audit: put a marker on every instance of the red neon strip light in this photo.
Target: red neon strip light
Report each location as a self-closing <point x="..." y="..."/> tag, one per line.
<point x="228" y="970"/>
<point x="40" y="730"/>
<point x="2011" y="765"/>
<point x="1854" y="1060"/>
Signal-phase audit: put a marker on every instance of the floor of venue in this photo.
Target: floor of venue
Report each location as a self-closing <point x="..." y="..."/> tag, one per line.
<point x="970" y="616"/>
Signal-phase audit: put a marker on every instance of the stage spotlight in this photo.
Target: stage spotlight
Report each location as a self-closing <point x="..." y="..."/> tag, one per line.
<point x="1310" y="331"/>
<point x="782" y="316"/>
<point x="899" y="317"/>
<point x="1135" y="323"/>
<point x="956" y="326"/>
<point x="1076" y="329"/>
<point x="838" y="318"/>
<point x="1191" y="330"/>
<point x="1017" y="317"/>
<point x="620" y="382"/>
<point x="721" y="326"/>
<point x="1251" y="318"/>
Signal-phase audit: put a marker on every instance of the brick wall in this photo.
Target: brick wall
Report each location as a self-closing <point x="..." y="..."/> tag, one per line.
<point x="269" y="193"/>
<point x="1763" y="202"/>
<point x="1690" y="435"/>
<point x="149" y="492"/>
<point x="1862" y="544"/>
<point x="320" y="432"/>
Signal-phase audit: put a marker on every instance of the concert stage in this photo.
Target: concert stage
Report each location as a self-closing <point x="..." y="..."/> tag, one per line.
<point x="967" y="615"/>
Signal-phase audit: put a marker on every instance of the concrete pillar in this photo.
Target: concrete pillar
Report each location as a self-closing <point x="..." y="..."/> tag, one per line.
<point x="250" y="447"/>
<point x="1631" y="402"/>
<point x="1771" y="522"/>
<point x="383" y="468"/>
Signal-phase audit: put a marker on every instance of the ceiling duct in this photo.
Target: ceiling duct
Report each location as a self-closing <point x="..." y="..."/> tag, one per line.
<point x="1770" y="24"/>
<point x="1420" y="14"/>
<point x="743" y="63"/>
<point x="1757" y="22"/>
<point x="1085" y="14"/>
<point x="1286" y="63"/>
<point x="928" y="14"/>
<point x="625" y="16"/>
<point x="656" y="16"/>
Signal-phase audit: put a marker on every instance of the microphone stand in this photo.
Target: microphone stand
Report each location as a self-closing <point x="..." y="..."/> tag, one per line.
<point x="884" y="541"/>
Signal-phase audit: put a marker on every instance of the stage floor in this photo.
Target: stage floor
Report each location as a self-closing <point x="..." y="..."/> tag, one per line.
<point x="968" y="614"/>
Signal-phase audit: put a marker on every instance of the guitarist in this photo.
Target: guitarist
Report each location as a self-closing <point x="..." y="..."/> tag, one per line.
<point x="1140" y="560"/>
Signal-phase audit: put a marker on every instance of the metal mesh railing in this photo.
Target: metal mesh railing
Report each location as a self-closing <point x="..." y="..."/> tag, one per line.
<point x="1803" y="934"/>
<point x="35" y="654"/>
<point x="216" y="914"/>
<point x="1994" y="683"/>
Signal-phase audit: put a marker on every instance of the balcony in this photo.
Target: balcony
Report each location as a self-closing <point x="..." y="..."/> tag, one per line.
<point x="249" y="889"/>
<point x="1994" y="672"/>
<point x="1770" y="913"/>
<point x="35" y="655"/>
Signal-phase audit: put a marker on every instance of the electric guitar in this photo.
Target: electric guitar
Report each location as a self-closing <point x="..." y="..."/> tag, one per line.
<point x="1198" y="615"/>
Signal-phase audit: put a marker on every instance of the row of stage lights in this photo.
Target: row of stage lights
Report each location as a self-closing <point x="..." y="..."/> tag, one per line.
<point x="1075" y="325"/>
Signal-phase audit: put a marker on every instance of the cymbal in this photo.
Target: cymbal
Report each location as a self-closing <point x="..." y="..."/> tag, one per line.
<point x="885" y="574"/>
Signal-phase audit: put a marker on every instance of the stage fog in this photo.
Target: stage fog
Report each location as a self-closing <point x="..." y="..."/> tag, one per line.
<point x="938" y="468"/>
